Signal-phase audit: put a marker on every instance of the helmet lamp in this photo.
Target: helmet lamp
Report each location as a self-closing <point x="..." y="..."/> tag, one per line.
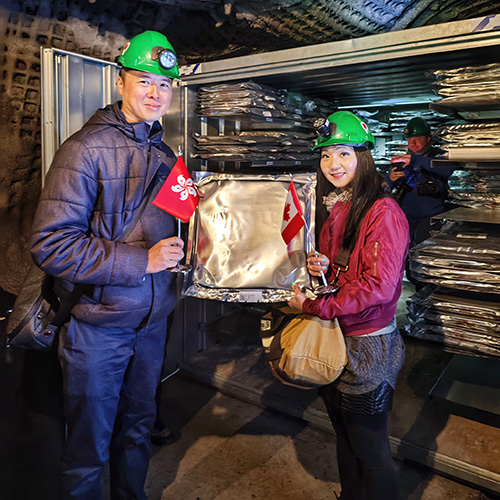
<point x="166" y="57"/>
<point x="322" y="127"/>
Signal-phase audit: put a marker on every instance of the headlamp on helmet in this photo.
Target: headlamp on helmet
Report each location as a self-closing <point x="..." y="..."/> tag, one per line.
<point x="166" y="58"/>
<point x="322" y="127"/>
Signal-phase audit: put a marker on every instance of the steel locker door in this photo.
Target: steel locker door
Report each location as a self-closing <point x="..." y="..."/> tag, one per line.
<point x="73" y="88"/>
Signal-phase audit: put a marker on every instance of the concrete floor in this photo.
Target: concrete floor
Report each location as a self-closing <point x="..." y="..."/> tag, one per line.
<point x="227" y="449"/>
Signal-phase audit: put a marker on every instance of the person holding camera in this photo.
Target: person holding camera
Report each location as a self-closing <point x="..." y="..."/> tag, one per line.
<point x="419" y="189"/>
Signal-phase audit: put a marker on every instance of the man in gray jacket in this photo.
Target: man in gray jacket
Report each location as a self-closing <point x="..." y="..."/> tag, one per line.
<point x="111" y="351"/>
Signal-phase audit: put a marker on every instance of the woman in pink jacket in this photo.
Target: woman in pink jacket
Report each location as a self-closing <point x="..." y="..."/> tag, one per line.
<point x="366" y="223"/>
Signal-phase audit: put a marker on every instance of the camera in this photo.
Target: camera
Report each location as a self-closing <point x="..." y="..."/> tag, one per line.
<point x="398" y="166"/>
<point x="429" y="188"/>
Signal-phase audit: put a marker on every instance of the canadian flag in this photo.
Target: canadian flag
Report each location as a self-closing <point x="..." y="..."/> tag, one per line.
<point x="178" y="196"/>
<point x="292" y="216"/>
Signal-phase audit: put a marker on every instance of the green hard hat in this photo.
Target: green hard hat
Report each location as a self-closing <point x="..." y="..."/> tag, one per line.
<point x="417" y="126"/>
<point x="152" y="52"/>
<point x="343" y="127"/>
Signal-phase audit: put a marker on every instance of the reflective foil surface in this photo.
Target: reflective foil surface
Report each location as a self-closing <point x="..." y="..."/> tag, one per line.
<point x="235" y="244"/>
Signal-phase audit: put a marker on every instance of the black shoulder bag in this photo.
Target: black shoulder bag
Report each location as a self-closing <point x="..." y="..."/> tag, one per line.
<point x="38" y="314"/>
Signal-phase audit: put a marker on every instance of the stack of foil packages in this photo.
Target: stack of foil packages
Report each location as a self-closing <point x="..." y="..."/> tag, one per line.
<point x="255" y="145"/>
<point x="471" y="88"/>
<point x="464" y="322"/>
<point x="460" y="307"/>
<point x="250" y="98"/>
<point x="277" y="124"/>
<point x="476" y="185"/>
<point x="471" y="84"/>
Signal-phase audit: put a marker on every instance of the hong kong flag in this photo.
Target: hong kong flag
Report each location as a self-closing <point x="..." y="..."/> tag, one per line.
<point x="178" y="196"/>
<point x="292" y="216"/>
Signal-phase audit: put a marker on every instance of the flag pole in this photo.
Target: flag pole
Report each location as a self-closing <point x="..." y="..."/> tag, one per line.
<point x="311" y="242"/>
<point x="178" y="220"/>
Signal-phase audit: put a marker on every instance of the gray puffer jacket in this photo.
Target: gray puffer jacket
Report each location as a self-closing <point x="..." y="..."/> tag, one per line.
<point x="96" y="181"/>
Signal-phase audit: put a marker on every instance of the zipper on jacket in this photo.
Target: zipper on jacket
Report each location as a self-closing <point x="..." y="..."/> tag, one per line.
<point x="375" y="258"/>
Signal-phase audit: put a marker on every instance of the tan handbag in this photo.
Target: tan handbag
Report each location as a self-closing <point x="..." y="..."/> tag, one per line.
<point x="303" y="351"/>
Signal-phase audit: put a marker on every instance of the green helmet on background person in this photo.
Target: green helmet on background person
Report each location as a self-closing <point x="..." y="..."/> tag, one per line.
<point x="150" y="51"/>
<point x="416" y="127"/>
<point x="343" y="127"/>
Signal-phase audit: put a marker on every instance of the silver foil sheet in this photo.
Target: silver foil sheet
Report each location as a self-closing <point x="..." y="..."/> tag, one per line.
<point x="235" y="245"/>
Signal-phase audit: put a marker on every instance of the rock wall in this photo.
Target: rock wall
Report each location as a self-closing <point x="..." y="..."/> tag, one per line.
<point x="24" y="29"/>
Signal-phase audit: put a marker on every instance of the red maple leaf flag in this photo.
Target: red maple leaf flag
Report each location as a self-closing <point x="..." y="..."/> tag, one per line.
<point x="178" y="195"/>
<point x="292" y="216"/>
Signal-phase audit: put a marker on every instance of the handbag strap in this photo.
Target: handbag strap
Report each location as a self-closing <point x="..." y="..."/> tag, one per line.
<point x="341" y="263"/>
<point x="67" y="304"/>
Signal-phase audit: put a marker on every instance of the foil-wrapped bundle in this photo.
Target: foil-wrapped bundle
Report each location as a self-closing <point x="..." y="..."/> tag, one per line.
<point x="251" y="98"/>
<point x="463" y="256"/>
<point x="251" y="146"/>
<point x="462" y="321"/>
<point x="468" y="84"/>
<point x="235" y="245"/>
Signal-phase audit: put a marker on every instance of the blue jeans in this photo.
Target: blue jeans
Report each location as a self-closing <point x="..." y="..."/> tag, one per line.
<point x="110" y="379"/>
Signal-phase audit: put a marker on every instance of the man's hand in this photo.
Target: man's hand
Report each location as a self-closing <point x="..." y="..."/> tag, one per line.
<point x="398" y="171"/>
<point x="165" y="254"/>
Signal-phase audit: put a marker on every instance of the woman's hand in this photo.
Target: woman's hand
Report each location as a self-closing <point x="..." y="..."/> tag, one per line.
<point x="298" y="300"/>
<point x="317" y="262"/>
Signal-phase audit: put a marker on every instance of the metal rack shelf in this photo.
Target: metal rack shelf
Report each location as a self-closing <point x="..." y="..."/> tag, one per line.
<point x="258" y="122"/>
<point x="484" y="109"/>
<point x="271" y="165"/>
<point x="493" y="164"/>
<point x="464" y="214"/>
<point x="471" y="381"/>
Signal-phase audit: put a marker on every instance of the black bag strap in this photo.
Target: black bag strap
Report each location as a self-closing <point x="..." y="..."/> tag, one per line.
<point x="341" y="263"/>
<point x="66" y="305"/>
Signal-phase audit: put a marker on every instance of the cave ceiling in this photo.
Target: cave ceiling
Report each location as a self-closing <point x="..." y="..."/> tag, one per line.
<point x="203" y="30"/>
<point x="213" y="29"/>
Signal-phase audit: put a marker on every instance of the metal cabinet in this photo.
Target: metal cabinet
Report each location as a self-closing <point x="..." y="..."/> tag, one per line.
<point x="384" y="72"/>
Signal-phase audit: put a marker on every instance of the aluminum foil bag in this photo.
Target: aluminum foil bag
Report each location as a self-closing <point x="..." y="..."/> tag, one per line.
<point x="235" y="245"/>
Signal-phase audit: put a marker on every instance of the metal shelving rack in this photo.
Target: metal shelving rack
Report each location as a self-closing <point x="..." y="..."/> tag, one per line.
<point x="376" y="71"/>
<point x="471" y="381"/>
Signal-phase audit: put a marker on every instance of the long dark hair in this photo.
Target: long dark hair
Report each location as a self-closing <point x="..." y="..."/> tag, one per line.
<point x="366" y="187"/>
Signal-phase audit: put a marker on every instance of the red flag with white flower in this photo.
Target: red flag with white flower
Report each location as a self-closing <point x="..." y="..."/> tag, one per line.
<point x="293" y="221"/>
<point x="178" y="195"/>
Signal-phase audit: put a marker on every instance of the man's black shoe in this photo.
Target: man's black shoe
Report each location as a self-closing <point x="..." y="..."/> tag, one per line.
<point x="161" y="434"/>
